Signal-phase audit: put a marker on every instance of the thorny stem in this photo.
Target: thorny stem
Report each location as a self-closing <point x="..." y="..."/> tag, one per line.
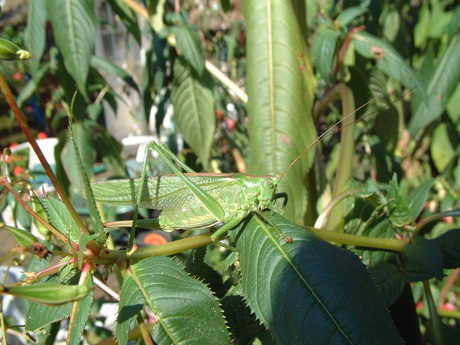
<point x="33" y="143"/>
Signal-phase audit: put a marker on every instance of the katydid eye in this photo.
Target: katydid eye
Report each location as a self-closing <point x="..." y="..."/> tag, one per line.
<point x="270" y="184"/>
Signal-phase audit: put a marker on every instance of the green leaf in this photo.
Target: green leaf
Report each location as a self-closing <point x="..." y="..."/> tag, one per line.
<point x="32" y="86"/>
<point x="389" y="61"/>
<point x="388" y="280"/>
<point x="243" y="324"/>
<point x="194" y="108"/>
<point x="23" y="237"/>
<point x="398" y="209"/>
<point x="449" y="243"/>
<point x="109" y="67"/>
<point x="280" y="85"/>
<point x="443" y="146"/>
<point x="34" y="37"/>
<point x="324" y="50"/>
<point x="187" y="311"/>
<point x="49" y="294"/>
<point x="131" y="303"/>
<point x="128" y="17"/>
<point x="188" y="42"/>
<point x="418" y="198"/>
<point x="39" y="209"/>
<point x="309" y="291"/>
<point x="444" y="80"/>
<point x="83" y="309"/>
<point x="74" y="28"/>
<point x="61" y="218"/>
<point x="40" y="315"/>
<point x="349" y="14"/>
<point x="423" y="260"/>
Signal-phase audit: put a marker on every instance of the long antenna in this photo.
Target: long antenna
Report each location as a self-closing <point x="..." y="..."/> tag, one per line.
<point x="328" y="132"/>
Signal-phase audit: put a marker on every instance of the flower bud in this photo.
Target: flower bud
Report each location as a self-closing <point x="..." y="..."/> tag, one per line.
<point x="10" y="51"/>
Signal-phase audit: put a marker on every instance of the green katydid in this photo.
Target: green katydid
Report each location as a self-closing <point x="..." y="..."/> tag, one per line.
<point x="193" y="200"/>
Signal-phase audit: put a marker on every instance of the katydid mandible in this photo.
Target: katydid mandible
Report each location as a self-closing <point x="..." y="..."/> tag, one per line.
<point x="193" y="200"/>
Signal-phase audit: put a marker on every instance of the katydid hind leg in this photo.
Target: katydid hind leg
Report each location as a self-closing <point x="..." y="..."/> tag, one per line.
<point x="210" y="203"/>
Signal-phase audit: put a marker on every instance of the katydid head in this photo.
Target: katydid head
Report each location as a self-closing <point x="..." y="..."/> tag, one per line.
<point x="267" y="191"/>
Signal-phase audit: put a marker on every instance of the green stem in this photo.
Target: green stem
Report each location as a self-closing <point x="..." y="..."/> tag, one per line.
<point x="33" y="143"/>
<point x="347" y="147"/>
<point x="434" y="317"/>
<point x="391" y="244"/>
<point x="172" y="248"/>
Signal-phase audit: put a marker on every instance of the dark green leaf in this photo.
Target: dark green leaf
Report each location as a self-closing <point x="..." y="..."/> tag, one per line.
<point x="418" y="198"/>
<point x="309" y="291"/>
<point x="243" y="324"/>
<point x="388" y="60"/>
<point x="349" y="14"/>
<point x="423" y="260"/>
<point x="188" y="42"/>
<point x="324" y="50"/>
<point x="187" y="311"/>
<point x="34" y="37"/>
<point x="398" y="209"/>
<point x="388" y="280"/>
<point x="280" y="85"/>
<point x="194" y="108"/>
<point x="74" y="28"/>
<point x="449" y="243"/>
<point x="444" y="80"/>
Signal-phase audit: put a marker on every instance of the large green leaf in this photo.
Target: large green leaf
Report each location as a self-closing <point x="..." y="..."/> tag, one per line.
<point x="309" y="291"/>
<point x="74" y="28"/>
<point x="445" y="78"/>
<point x="280" y="87"/>
<point x="187" y="311"/>
<point x="35" y="33"/>
<point x="194" y="108"/>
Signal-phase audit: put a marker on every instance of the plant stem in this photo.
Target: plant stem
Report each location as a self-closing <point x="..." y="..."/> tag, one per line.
<point x="172" y="248"/>
<point x="392" y="244"/>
